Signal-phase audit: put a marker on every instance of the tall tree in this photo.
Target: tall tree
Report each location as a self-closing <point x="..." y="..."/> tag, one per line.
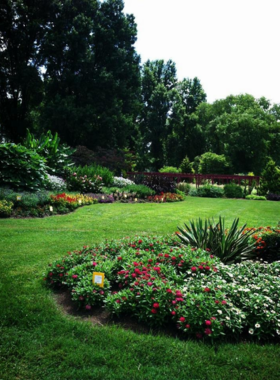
<point x="158" y="81"/>
<point x="186" y="136"/>
<point x="92" y="74"/>
<point x="23" y="24"/>
<point x="242" y="128"/>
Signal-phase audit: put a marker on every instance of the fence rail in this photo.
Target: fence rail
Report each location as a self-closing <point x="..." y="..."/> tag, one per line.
<point x="200" y="178"/>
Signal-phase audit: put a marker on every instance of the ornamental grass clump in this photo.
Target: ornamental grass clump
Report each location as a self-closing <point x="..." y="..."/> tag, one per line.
<point x="230" y="245"/>
<point x="160" y="282"/>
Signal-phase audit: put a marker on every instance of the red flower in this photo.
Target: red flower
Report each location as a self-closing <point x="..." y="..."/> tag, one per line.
<point x="173" y="312"/>
<point x="182" y="319"/>
<point x="213" y="318"/>
<point x="154" y="311"/>
<point x="224" y="302"/>
<point x="188" y="326"/>
<point x="198" y="335"/>
<point x="140" y="241"/>
<point x="74" y="276"/>
<point x="208" y="331"/>
<point x="156" y="305"/>
<point x="118" y="301"/>
<point x="193" y="269"/>
<point x="217" y="302"/>
<point x="208" y="323"/>
<point x="149" y="283"/>
<point x="207" y="289"/>
<point x="169" y="290"/>
<point x="119" y="258"/>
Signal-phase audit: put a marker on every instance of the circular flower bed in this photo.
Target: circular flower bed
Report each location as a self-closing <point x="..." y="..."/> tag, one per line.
<point x="159" y="282"/>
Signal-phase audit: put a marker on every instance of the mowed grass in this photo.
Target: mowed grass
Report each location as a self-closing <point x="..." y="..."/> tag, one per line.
<point x="38" y="341"/>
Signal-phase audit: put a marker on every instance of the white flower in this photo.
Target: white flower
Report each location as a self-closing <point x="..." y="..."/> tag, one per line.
<point x="220" y="311"/>
<point x="228" y="318"/>
<point x="278" y="332"/>
<point x="251" y="331"/>
<point x="257" y="325"/>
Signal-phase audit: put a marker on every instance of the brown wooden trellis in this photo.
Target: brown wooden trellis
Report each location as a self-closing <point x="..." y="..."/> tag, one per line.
<point x="200" y="178"/>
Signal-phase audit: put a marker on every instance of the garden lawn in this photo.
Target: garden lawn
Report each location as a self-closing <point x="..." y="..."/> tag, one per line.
<point x="38" y="341"/>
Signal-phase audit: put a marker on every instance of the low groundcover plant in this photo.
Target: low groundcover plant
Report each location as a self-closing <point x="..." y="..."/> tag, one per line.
<point x="160" y="282"/>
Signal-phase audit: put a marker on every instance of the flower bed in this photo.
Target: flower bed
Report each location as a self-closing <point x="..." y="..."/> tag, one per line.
<point x="159" y="282"/>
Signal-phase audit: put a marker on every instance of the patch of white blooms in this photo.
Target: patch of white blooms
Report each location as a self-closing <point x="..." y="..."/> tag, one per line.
<point x="251" y="291"/>
<point x="122" y="182"/>
<point x="56" y="183"/>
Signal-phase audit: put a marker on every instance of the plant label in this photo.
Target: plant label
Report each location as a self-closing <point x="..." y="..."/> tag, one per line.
<point x="98" y="279"/>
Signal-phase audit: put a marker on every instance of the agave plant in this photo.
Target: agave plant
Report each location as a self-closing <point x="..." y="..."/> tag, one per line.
<point x="230" y="245"/>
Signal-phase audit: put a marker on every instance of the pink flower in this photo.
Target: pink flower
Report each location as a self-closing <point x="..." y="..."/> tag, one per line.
<point x="208" y="323"/>
<point x="169" y="290"/>
<point x="50" y="274"/>
<point x="118" y="301"/>
<point x="81" y="298"/>
<point x="149" y="283"/>
<point x="193" y="269"/>
<point x="173" y="312"/>
<point x="156" y="305"/>
<point x="213" y="318"/>
<point x="224" y="302"/>
<point x="88" y="307"/>
<point x="154" y="311"/>
<point x="188" y="326"/>
<point x="74" y="276"/>
<point x="198" y="335"/>
<point x="101" y="292"/>
<point x="182" y="319"/>
<point x="208" y="331"/>
<point x="217" y="302"/>
<point x="94" y="264"/>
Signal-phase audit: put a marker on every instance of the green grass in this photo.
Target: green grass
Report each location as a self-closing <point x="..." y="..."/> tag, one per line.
<point x="38" y="341"/>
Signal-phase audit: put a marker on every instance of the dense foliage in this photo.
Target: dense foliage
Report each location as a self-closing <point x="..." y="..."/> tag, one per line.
<point x="57" y="155"/>
<point x="21" y="168"/>
<point x="156" y="281"/>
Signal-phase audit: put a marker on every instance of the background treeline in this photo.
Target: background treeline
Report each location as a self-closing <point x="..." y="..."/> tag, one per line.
<point x="71" y="67"/>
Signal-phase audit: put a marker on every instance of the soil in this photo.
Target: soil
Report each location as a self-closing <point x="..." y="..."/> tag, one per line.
<point x="100" y="316"/>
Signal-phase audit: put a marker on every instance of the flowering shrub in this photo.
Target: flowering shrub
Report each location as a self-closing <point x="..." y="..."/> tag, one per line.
<point x="55" y="183"/>
<point x="122" y="182"/>
<point x="5" y="208"/>
<point x="159" y="282"/>
<point x="84" y="184"/>
<point x="267" y="243"/>
<point x="71" y="201"/>
<point x="166" y="197"/>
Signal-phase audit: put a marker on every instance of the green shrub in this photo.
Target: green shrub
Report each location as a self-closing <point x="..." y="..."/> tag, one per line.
<point x="270" y="179"/>
<point x="57" y="155"/>
<point x="256" y="197"/>
<point x="233" y="191"/>
<point x="141" y="191"/>
<point x="169" y="169"/>
<point x="207" y="191"/>
<point x="211" y="163"/>
<point x="21" y="168"/>
<point x="184" y="187"/>
<point x="5" y="208"/>
<point x="186" y="166"/>
<point x="231" y="246"/>
<point x="92" y="172"/>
